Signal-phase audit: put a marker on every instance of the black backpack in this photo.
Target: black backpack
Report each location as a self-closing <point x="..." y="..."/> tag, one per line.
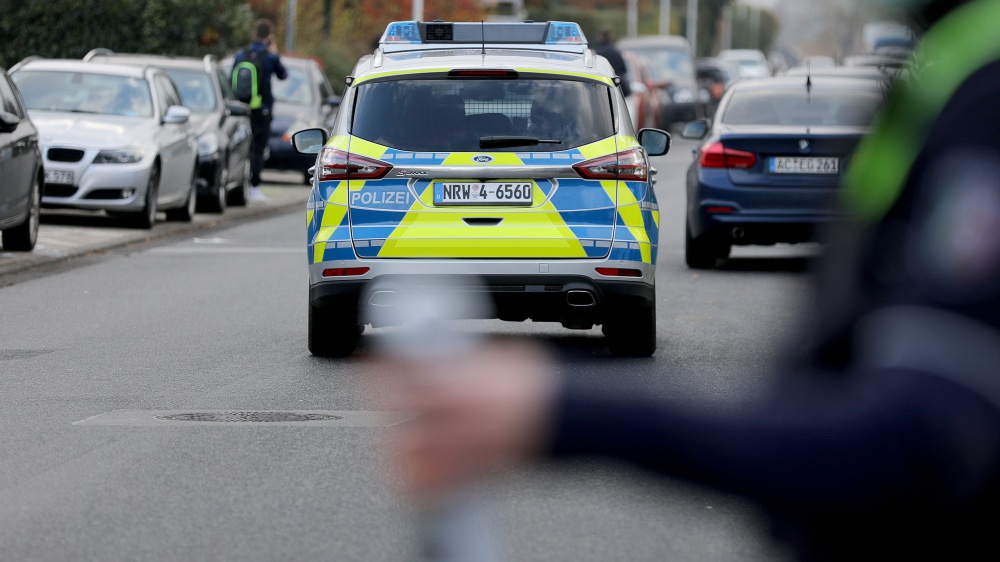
<point x="247" y="75"/>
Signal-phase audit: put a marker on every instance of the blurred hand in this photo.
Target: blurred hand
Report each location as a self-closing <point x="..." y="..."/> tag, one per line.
<point x="474" y="413"/>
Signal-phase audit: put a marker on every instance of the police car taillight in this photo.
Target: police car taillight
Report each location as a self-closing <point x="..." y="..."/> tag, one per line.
<point x="628" y="165"/>
<point x="335" y="164"/>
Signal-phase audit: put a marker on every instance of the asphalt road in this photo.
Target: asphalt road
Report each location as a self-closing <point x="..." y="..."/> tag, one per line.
<point x="101" y="345"/>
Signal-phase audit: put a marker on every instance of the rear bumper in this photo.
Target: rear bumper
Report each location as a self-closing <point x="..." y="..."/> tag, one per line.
<point x="757" y="214"/>
<point x="573" y="300"/>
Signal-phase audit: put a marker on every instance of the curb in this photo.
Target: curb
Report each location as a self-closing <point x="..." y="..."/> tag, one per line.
<point x="68" y="236"/>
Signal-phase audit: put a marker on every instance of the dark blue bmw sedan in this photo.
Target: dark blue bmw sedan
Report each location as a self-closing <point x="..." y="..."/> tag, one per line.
<point x="770" y="162"/>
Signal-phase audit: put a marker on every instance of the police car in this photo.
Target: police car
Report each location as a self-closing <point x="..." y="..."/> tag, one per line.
<point x="503" y="150"/>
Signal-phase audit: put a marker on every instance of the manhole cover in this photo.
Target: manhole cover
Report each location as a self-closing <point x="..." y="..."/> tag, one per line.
<point x="248" y="417"/>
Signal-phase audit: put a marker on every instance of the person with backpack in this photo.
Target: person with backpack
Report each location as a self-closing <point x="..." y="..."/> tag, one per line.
<point x="253" y="68"/>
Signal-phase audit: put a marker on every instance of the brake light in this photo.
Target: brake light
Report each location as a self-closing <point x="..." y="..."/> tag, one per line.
<point x="628" y="165"/>
<point x="345" y="271"/>
<point x="717" y="156"/>
<point x="618" y="272"/>
<point x="335" y="164"/>
<point x="482" y="73"/>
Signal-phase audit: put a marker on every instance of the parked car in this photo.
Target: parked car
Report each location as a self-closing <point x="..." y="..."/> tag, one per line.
<point x="714" y="78"/>
<point x="770" y="162"/>
<point x="671" y="62"/>
<point x="304" y="100"/>
<point x="648" y="99"/>
<point x="20" y="171"/>
<point x="113" y="137"/>
<point x="220" y="122"/>
<point x="752" y="63"/>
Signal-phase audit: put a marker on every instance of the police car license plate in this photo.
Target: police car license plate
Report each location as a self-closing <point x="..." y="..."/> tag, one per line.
<point x="796" y="165"/>
<point x="59" y="176"/>
<point x="482" y="193"/>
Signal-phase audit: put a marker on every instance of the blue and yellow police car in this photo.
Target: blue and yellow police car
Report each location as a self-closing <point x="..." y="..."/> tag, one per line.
<point x="504" y="150"/>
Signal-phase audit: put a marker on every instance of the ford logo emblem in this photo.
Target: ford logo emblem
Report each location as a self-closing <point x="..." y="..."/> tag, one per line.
<point x="482" y="159"/>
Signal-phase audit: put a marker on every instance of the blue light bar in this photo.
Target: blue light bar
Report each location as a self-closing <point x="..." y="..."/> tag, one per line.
<point x="554" y="36"/>
<point x="401" y="32"/>
<point x="565" y="33"/>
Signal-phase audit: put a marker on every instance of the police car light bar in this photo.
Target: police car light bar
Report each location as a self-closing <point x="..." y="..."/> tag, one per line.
<point x="418" y="35"/>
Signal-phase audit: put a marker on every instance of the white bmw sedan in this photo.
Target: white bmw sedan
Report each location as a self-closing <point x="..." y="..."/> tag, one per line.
<point x="113" y="138"/>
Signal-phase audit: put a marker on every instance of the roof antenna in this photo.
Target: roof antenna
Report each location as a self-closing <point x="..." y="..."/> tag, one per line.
<point x="482" y="33"/>
<point x="809" y="82"/>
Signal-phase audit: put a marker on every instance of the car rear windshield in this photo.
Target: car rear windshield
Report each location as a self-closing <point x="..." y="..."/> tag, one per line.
<point x="842" y="108"/>
<point x="85" y="92"/>
<point x="523" y="115"/>
<point x="667" y="63"/>
<point x="195" y="88"/>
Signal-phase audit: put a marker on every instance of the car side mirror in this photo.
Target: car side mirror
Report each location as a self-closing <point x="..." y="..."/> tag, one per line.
<point x="695" y="130"/>
<point x="654" y="141"/>
<point x="238" y="109"/>
<point x="177" y="114"/>
<point x="8" y="122"/>
<point x="309" y="141"/>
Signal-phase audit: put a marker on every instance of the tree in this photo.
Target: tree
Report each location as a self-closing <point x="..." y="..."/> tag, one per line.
<point x="170" y="27"/>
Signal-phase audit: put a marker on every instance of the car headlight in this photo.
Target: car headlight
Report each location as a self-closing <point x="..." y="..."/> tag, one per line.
<point x="124" y="156"/>
<point x="208" y="144"/>
<point x="683" y="96"/>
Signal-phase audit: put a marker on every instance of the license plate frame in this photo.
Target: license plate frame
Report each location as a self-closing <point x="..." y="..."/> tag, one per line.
<point x="805" y="165"/>
<point x="60" y="177"/>
<point x="467" y="193"/>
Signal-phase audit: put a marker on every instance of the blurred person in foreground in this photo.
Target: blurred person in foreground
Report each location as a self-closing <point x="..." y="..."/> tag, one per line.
<point x="882" y="438"/>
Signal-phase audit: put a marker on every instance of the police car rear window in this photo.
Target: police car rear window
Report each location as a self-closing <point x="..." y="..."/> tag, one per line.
<point x="455" y="115"/>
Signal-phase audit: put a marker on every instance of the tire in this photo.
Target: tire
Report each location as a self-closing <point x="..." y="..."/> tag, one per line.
<point x="332" y="333"/>
<point x="239" y="196"/>
<point x="185" y="213"/>
<point x="701" y="252"/>
<point x="216" y="202"/>
<point x="631" y="332"/>
<point x="146" y="218"/>
<point x="22" y="237"/>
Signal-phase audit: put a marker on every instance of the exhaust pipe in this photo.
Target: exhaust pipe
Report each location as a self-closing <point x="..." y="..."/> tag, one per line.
<point x="577" y="297"/>
<point x="737" y="233"/>
<point x="382" y="298"/>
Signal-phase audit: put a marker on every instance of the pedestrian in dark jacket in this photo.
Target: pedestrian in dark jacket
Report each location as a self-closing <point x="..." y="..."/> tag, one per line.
<point x="260" y="117"/>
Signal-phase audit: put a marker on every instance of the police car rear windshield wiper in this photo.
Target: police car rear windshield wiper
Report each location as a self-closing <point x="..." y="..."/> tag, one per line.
<point x="510" y="141"/>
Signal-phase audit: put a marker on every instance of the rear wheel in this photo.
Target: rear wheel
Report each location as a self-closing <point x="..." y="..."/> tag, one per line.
<point x="701" y="252"/>
<point x="332" y="333"/>
<point x="146" y="218"/>
<point x="632" y="332"/>
<point x="22" y="237"/>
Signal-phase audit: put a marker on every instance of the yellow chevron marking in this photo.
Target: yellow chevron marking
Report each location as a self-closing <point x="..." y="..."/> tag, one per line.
<point x="441" y="232"/>
<point x="367" y="148"/>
